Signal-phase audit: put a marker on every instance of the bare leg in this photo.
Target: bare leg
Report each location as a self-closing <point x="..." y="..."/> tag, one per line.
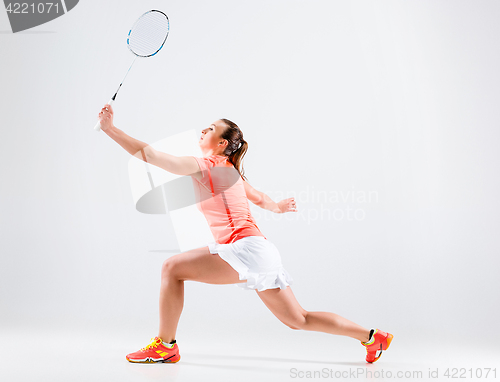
<point x="171" y="304"/>
<point x="197" y="265"/>
<point x="283" y="304"/>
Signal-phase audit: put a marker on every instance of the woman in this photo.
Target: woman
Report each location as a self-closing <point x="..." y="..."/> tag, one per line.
<point x="241" y="254"/>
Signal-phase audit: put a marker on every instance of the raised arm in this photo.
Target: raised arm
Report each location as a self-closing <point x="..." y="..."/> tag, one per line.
<point x="264" y="201"/>
<point x="185" y="165"/>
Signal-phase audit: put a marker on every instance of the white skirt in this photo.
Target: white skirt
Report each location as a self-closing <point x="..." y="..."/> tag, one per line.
<point x="256" y="260"/>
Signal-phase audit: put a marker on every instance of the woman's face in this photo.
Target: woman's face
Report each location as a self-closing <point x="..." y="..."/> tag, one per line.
<point x="210" y="141"/>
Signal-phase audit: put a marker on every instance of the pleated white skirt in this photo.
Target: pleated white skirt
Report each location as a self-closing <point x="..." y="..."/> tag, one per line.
<point x="256" y="260"/>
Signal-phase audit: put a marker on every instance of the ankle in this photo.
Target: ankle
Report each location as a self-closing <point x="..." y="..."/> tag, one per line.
<point x="368" y="336"/>
<point x="167" y="339"/>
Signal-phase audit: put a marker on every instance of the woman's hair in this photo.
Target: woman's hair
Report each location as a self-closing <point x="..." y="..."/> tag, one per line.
<point x="237" y="146"/>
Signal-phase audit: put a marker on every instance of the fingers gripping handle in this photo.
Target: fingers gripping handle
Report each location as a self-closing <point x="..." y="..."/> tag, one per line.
<point x="97" y="127"/>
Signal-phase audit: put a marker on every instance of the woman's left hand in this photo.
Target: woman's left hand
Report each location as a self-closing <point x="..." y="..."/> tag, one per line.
<point x="287" y="205"/>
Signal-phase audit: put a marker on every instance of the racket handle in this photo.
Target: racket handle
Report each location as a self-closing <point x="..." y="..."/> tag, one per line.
<point x="97" y="127"/>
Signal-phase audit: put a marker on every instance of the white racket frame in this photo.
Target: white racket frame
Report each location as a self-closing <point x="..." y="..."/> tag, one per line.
<point x="97" y="127"/>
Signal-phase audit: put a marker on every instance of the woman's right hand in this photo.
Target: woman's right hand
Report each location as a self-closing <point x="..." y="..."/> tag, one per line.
<point x="106" y="117"/>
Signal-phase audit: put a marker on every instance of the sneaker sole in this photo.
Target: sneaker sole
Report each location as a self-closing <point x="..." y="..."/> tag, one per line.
<point x="152" y="361"/>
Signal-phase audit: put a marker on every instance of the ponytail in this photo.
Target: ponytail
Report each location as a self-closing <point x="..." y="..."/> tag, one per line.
<point x="237" y="146"/>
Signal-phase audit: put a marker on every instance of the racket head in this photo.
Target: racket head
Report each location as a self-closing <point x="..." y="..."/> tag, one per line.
<point x="148" y="34"/>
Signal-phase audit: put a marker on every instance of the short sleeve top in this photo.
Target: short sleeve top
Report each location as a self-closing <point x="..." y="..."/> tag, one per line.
<point x="221" y="198"/>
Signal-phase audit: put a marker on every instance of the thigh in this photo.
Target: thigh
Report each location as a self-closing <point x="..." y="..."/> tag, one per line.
<point x="201" y="265"/>
<point x="283" y="304"/>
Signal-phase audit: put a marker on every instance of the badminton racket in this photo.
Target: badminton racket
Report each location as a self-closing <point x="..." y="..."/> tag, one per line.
<point x="145" y="39"/>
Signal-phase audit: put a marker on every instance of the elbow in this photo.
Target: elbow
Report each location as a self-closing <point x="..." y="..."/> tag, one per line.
<point x="259" y="199"/>
<point x="262" y="201"/>
<point x="150" y="154"/>
<point x="146" y="154"/>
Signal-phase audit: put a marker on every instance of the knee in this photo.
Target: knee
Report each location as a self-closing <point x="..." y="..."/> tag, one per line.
<point x="298" y="322"/>
<point x="168" y="268"/>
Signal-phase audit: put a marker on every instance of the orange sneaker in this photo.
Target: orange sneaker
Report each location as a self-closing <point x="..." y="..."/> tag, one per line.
<point x="379" y="341"/>
<point x="155" y="352"/>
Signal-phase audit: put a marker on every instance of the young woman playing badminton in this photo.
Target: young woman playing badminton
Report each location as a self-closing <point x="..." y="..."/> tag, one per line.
<point x="241" y="254"/>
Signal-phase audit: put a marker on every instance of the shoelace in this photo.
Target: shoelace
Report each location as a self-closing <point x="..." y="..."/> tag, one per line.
<point x="154" y="344"/>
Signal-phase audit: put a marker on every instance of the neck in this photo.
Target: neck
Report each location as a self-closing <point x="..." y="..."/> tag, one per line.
<point x="211" y="152"/>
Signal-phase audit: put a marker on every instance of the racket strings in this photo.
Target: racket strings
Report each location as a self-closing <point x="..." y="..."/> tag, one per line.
<point x="148" y="34"/>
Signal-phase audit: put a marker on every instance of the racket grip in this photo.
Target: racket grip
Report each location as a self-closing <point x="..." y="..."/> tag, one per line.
<point x="97" y="127"/>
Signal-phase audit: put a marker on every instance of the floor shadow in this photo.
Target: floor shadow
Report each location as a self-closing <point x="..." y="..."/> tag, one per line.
<point x="234" y="367"/>
<point x="274" y="359"/>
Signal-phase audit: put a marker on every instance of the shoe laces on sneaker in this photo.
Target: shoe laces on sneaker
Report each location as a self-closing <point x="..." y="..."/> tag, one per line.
<point x="155" y="342"/>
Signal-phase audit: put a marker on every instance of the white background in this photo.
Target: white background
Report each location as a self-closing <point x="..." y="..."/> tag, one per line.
<point x="396" y="98"/>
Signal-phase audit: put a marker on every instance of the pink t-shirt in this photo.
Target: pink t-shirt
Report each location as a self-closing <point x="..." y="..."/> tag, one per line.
<point x="221" y="197"/>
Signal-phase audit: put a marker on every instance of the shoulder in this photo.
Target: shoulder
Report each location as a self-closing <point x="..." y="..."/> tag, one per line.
<point x="207" y="163"/>
<point x="212" y="160"/>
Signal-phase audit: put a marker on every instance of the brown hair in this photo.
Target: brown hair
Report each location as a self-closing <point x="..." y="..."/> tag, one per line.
<point x="236" y="147"/>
